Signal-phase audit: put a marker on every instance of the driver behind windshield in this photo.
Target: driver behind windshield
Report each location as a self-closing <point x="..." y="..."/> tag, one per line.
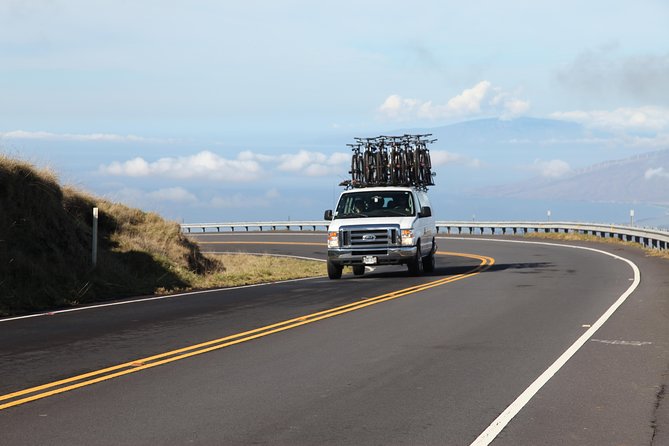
<point x="401" y="204"/>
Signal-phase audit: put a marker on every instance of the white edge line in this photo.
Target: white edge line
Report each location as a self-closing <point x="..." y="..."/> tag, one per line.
<point x="147" y="299"/>
<point x="492" y="431"/>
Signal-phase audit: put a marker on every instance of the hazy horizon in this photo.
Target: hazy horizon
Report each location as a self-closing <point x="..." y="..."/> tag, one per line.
<point x="226" y="112"/>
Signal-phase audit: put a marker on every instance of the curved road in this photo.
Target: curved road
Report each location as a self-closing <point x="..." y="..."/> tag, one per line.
<point x="381" y="359"/>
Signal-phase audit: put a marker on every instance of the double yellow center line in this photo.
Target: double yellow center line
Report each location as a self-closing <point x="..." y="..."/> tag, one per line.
<point x="87" y="379"/>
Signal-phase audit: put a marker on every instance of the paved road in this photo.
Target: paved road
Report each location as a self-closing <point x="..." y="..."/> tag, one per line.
<point x="433" y="364"/>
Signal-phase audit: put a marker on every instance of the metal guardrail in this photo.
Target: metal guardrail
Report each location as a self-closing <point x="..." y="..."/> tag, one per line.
<point x="257" y="225"/>
<point x="652" y="238"/>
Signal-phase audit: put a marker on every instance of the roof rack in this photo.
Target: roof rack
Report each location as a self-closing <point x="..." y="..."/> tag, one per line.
<point x="391" y="161"/>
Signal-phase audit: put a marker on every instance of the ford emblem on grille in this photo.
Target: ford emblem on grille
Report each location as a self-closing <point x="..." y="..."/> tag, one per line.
<point x="369" y="237"/>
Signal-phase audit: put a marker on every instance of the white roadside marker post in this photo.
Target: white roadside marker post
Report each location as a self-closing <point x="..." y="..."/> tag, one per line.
<point x="95" y="238"/>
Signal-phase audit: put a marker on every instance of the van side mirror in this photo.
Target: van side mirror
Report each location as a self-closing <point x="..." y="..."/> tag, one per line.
<point x="328" y="215"/>
<point x="425" y="211"/>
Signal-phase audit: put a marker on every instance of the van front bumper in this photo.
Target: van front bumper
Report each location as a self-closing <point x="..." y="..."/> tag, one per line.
<point x="395" y="255"/>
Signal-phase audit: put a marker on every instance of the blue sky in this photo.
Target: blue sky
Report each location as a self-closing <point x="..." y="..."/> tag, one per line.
<point x="213" y="110"/>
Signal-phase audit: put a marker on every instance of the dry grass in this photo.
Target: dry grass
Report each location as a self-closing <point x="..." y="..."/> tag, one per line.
<point x="45" y="248"/>
<point x="246" y="269"/>
<point x="593" y="238"/>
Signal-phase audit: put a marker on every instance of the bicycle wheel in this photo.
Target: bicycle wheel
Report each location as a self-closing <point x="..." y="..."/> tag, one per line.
<point x="369" y="169"/>
<point x="393" y="167"/>
<point x="428" y="168"/>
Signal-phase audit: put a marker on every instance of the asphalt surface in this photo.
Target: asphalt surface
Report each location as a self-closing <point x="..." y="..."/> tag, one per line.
<point x="435" y="366"/>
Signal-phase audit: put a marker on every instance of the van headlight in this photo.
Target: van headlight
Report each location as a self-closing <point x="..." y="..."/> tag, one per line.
<point x="407" y="237"/>
<point x="333" y="240"/>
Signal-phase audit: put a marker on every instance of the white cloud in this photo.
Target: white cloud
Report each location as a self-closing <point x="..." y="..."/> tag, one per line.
<point x="442" y="157"/>
<point x="92" y="137"/>
<point x="303" y="162"/>
<point x="658" y="172"/>
<point x="469" y="101"/>
<point x="143" y="198"/>
<point x="482" y="98"/>
<point x="647" y="118"/>
<point x="205" y="165"/>
<point x="314" y="164"/>
<point x="273" y="193"/>
<point x="248" y="155"/>
<point x="514" y="107"/>
<point x="173" y="194"/>
<point x="552" y="168"/>
<point x="240" y="201"/>
<point x="245" y="167"/>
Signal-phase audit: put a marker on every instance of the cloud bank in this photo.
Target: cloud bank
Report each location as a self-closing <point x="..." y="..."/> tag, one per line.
<point x="247" y="166"/>
<point x="204" y="165"/>
<point x="304" y="162"/>
<point x="482" y="99"/>
<point x="646" y="118"/>
<point x="92" y="137"/>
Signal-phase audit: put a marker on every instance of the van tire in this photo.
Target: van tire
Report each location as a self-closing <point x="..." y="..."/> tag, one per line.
<point x="334" y="270"/>
<point x="416" y="264"/>
<point x="358" y="270"/>
<point x="429" y="261"/>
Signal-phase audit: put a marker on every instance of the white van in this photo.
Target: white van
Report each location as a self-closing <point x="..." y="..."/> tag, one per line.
<point x="381" y="226"/>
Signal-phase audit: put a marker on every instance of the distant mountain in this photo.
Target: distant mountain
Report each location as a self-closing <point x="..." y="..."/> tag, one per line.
<point x="640" y="179"/>
<point x="482" y="130"/>
<point x="488" y="152"/>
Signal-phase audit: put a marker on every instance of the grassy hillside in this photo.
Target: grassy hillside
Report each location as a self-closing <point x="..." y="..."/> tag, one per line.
<point x="45" y="247"/>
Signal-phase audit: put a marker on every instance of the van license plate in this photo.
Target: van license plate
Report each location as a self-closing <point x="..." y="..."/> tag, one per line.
<point x="369" y="260"/>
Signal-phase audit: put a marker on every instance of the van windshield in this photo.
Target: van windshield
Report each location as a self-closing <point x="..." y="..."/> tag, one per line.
<point x="375" y="204"/>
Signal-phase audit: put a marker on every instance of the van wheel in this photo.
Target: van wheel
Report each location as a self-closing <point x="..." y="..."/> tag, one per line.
<point x="416" y="264"/>
<point x="429" y="261"/>
<point x="334" y="270"/>
<point x="358" y="270"/>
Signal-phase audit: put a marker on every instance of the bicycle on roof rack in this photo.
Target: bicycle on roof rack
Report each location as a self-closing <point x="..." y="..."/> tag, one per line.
<point x="391" y="161"/>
